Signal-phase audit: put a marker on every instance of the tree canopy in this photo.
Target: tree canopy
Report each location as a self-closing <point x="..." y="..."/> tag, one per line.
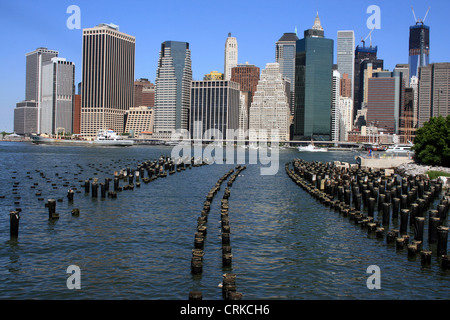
<point x="432" y="142"/>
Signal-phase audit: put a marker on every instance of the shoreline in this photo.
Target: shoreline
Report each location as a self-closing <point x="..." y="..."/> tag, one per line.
<point x="415" y="169"/>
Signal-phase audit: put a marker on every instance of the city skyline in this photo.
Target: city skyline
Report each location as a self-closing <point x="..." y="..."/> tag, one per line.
<point x="46" y="27"/>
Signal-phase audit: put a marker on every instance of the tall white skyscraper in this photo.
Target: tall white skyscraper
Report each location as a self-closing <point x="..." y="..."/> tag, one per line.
<point x="346" y="54"/>
<point x="335" y="110"/>
<point x="58" y="91"/>
<point x="269" y="111"/>
<point x="231" y="56"/>
<point x="33" y="88"/>
<point x="173" y="88"/>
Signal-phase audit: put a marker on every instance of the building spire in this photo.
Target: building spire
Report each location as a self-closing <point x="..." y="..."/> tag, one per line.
<point x="317" y="25"/>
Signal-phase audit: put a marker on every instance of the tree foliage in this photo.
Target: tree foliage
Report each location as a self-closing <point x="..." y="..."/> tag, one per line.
<point x="432" y="142"/>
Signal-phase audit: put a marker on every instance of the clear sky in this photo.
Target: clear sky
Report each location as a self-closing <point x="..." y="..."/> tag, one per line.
<point x="257" y="24"/>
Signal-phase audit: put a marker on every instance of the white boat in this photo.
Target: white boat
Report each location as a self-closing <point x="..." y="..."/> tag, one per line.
<point x="110" y="138"/>
<point x="312" y="148"/>
<point x="400" y="148"/>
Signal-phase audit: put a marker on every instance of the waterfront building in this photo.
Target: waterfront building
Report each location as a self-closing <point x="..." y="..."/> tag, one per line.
<point x="363" y="56"/>
<point x="346" y="87"/>
<point x="173" y="88"/>
<point x="214" y="109"/>
<point x="414" y="84"/>
<point x="346" y="59"/>
<point x="33" y="83"/>
<point x="419" y="47"/>
<point x="247" y="75"/>
<point x="213" y="75"/>
<point x="335" y="108"/>
<point x="285" y="56"/>
<point x="139" y="119"/>
<point x="107" y="78"/>
<point x="313" y="84"/>
<point x="26" y="117"/>
<point x="77" y="114"/>
<point x="144" y="93"/>
<point x="346" y="117"/>
<point x="57" y="97"/>
<point x="434" y="91"/>
<point x="231" y="56"/>
<point x="269" y="111"/>
<point x="385" y="104"/>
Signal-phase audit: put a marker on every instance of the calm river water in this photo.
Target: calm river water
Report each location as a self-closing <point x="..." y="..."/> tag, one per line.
<point x="285" y="244"/>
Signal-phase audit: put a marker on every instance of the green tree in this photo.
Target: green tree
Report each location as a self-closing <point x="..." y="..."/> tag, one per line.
<point x="432" y="142"/>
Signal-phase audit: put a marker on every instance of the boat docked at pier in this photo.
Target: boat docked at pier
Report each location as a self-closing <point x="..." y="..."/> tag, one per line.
<point x="111" y="138"/>
<point x="312" y="148"/>
<point x="400" y="148"/>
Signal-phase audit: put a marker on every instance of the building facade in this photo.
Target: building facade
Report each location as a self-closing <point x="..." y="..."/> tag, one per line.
<point x="173" y="88"/>
<point x="363" y="56"/>
<point x="285" y="56"/>
<point x="33" y="83"/>
<point x="434" y="92"/>
<point x="385" y="103"/>
<point x="107" y="78"/>
<point x="144" y="93"/>
<point x="269" y="111"/>
<point x="231" y="56"/>
<point x="26" y="117"/>
<point x="58" y="92"/>
<point x="213" y="75"/>
<point x="247" y="75"/>
<point x="335" y="107"/>
<point x="214" y="109"/>
<point x="346" y="56"/>
<point x="139" y="120"/>
<point x="313" y="85"/>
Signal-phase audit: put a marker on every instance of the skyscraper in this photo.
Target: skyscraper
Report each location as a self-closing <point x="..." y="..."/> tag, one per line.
<point x="363" y="57"/>
<point x="231" y="56"/>
<point x="385" y="104"/>
<point x="313" y="83"/>
<point x="58" y="92"/>
<point x="346" y="55"/>
<point x="434" y="91"/>
<point x="173" y="88"/>
<point x="33" y="85"/>
<point x="247" y="75"/>
<point x="107" y="78"/>
<point x="335" y="107"/>
<point x="144" y="93"/>
<point x="419" y="47"/>
<point x="269" y="112"/>
<point x="285" y="56"/>
<point x="214" y="108"/>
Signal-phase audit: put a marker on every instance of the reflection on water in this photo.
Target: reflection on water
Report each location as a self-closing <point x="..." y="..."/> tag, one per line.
<point x="285" y="244"/>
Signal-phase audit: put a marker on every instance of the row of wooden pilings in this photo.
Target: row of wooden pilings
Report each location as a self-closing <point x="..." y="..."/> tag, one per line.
<point x="229" y="279"/>
<point x="357" y="193"/>
<point x="146" y="172"/>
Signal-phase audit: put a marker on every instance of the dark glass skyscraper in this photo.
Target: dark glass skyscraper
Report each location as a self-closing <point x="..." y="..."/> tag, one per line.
<point x="419" y="48"/>
<point x="313" y="84"/>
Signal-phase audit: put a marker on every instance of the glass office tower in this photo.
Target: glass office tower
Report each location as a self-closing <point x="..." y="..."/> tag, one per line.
<point x="419" y="48"/>
<point x="313" y="85"/>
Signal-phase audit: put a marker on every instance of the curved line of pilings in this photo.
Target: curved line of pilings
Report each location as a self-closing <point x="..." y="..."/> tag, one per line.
<point x="358" y="193"/>
<point x="146" y="172"/>
<point x="229" y="279"/>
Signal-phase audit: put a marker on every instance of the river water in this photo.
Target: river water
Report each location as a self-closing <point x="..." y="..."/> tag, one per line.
<point x="285" y="244"/>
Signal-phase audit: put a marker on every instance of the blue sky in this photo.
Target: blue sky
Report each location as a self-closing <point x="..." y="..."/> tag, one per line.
<point x="257" y="25"/>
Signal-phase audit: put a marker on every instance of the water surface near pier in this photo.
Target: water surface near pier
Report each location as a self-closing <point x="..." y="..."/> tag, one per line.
<point x="285" y="244"/>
